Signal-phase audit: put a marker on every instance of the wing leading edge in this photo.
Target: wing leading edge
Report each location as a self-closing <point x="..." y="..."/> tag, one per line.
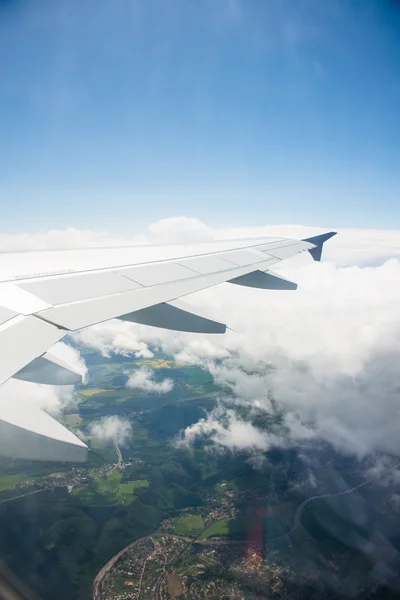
<point x="140" y="285"/>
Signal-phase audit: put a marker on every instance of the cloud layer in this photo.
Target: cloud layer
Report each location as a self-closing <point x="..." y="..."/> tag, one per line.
<point x="327" y="355"/>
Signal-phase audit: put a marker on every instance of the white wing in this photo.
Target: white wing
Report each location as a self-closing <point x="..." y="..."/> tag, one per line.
<point x="46" y="295"/>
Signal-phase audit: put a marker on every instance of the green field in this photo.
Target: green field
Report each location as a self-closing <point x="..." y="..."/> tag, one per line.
<point x="123" y="492"/>
<point x="159" y="363"/>
<point x="193" y="571"/>
<point x="130" y="487"/>
<point x="232" y="528"/>
<point x="73" y="420"/>
<point x="7" y="482"/>
<point x="189" y="526"/>
<point x="101" y="395"/>
<point x="111" y="483"/>
<point x="92" y="391"/>
<point x="219" y="528"/>
<point x="225" y="486"/>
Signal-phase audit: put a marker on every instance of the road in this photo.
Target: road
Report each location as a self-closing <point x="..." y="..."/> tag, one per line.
<point x="141" y="574"/>
<point x="27" y="494"/>
<point x="300" y="508"/>
<point x="183" y="400"/>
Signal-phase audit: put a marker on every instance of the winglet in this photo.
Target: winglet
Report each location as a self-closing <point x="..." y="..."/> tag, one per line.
<point x="318" y="241"/>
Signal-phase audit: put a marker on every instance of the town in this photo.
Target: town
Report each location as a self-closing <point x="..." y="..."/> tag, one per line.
<point x="168" y="567"/>
<point x="76" y="477"/>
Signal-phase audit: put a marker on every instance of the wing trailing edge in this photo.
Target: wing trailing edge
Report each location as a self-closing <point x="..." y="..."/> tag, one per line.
<point x="28" y="432"/>
<point x="50" y="370"/>
<point x="176" y="315"/>
<point x="265" y="281"/>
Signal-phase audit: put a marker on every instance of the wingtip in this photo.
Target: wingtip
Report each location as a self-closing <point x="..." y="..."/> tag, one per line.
<point x="330" y="235"/>
<point x="318" y="241"/>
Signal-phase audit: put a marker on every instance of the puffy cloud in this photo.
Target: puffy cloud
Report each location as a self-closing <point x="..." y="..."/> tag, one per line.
<point x="179" y="230"/>
<point x="143" y="379"/>
<point x="196" y="351"/>
<point x="52" y="399"/>
<point x="223" y="427"/>
<point x="56" y="239"/>
<point x="165" y="231"/>
<point x="332" y="349"/>
<point x="327" y="355"/>
<point x="115" y="336"/>
<point x="72" y="357"/>
<point x="111" y="429"/>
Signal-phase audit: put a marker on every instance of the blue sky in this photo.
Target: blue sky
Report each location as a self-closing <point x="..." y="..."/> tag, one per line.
<point x="239" y="112"/>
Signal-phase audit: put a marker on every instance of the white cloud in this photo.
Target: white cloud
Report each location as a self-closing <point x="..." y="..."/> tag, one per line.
<point x="72" y="357"/>
<point x="179" y="230"/>
<point x="55" y="239"/>
<point x="113" y="336"/>
<point x="328" y="354"/>
<point x="196" y="351"/>
<point x="165" y="231"/>
<point x="143" y="379"/>
<point x="53" y="399"/>
<point x="223" y="427"/>
<point x="111" y="429"/>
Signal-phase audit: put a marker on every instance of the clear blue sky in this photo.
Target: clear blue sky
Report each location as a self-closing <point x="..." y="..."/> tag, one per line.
<point x="116" y="113"/>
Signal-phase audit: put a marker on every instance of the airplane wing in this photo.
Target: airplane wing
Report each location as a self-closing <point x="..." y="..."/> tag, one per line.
<point x="47" y="294"/>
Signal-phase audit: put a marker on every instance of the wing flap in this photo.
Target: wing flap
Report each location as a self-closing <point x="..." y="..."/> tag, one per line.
<point x="28" y="432"/>
<point x="265" y="281"/>
<point x="21" y="340"/>
<point x="176" y="315"/>
<point x="19" y="300"/>
<point x="50" y="370"/>
<point x="90" y="312"/>
<point x="6" y="314"/>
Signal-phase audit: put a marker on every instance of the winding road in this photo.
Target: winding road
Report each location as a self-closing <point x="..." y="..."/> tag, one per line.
<point x="300" y="508"/>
